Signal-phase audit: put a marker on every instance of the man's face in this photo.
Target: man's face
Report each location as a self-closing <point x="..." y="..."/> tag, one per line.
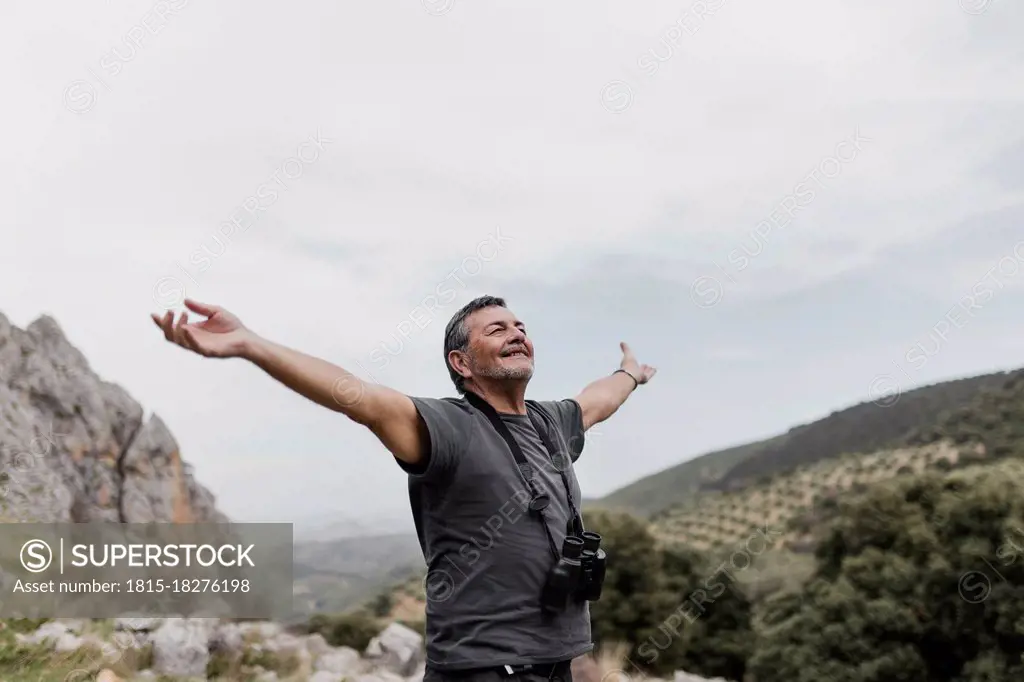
<point x="498" y="345"/>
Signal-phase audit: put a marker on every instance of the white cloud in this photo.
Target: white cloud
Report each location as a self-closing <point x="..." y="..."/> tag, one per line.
<point x="445" y="128"/>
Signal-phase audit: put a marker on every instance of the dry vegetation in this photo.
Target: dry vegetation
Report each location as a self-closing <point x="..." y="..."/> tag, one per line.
<point x="794" y="503"/>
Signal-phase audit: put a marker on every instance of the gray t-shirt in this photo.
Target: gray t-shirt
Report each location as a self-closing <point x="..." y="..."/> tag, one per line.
<point x="487" y="556"/>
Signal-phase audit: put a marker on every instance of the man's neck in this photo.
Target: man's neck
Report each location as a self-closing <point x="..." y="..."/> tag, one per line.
<point x="507" y="397"/>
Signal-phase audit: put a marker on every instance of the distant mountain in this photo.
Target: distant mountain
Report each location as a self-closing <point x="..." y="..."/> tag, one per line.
<point x="336" y="575"/>
<point x="337" y="525"/>
<point x="863" y="428"/>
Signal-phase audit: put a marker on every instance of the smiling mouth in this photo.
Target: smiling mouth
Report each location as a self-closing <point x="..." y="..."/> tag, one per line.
<point x="516" y="353"/>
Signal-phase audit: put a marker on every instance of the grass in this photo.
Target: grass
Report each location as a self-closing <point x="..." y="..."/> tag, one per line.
<point x="39" y="663"/>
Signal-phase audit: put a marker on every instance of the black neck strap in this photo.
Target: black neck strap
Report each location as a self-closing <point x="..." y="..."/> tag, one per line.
<point x="560" y="460"/>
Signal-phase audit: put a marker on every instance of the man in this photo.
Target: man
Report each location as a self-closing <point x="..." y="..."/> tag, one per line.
<point x="478" y="468"/>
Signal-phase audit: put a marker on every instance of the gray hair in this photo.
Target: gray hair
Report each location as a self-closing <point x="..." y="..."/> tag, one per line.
<point x="456" y="336"/>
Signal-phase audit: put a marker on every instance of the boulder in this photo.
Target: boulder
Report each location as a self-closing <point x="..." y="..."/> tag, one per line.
<point x="108" y="675"/>
<point x="326" y="676"/>
<point x="181" y="647"/>
<point x="51" y="632"/>
<point x="228" y="638"/>
<point x="317" y="645"/>
<point x="137" y="624"/>
<point x="344" y="661"/>
<point x="398" y="649"/>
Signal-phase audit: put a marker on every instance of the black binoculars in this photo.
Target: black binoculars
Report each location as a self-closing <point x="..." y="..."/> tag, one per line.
<point x="578" y="574"/>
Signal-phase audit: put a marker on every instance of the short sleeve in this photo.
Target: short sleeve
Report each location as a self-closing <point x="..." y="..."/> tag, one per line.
<point x="449" y="428"/>
<point x="568" y="416"/>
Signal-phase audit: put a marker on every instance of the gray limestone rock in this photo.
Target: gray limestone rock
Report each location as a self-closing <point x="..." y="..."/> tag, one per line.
<point x="181" y="647"/>
<point x="398" y="649"/>
<point x="76" y="448"/>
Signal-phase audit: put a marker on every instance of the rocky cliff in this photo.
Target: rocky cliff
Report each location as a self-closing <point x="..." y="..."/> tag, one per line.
<point x="76" y="448"/>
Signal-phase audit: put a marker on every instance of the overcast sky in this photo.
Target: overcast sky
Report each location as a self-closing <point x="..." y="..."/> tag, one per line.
<point x="775" y="203"/>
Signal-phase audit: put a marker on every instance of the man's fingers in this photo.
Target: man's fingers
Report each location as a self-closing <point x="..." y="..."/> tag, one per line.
<point x="201" y="308"/>
<point x="190" y="342"/>
<point x="626" y="350"/>
<point x="178" y="336"/>
<point x="167" y="326"/>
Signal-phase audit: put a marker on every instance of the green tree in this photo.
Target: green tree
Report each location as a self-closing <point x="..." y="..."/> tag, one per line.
<point x="921" y="580"/>
<point x="670" y="606"/>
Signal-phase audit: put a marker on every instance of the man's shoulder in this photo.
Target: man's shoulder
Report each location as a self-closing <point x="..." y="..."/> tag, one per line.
<point x="554" y="407"/>
<point x="452" y="409"/>
<point x="460" y="404"/>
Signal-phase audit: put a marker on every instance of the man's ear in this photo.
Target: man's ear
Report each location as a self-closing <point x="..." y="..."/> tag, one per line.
<point x="460" y="362"/>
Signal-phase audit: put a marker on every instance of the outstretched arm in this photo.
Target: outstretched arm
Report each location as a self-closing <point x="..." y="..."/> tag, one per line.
<point x="389" y="414"/>
<point x="601" y="398"/>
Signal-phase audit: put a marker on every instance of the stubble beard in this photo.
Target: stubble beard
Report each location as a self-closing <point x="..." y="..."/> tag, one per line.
<point x="501" y="372"/>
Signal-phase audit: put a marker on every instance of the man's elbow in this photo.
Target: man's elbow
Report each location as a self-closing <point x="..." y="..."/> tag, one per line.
<point x="596" y="413"/>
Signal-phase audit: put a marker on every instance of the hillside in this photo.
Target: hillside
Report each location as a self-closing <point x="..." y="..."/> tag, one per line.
<point x="335" y="575"/>
<point x="863" y="428"/>
<point x="994" y="418"/>
<point x="674" y="485"/>
<point x="988" y="428"/>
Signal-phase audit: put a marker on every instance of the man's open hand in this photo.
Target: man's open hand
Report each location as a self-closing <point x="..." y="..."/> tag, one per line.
<point x="221" y="335"/>
<point x="642" y="373"/>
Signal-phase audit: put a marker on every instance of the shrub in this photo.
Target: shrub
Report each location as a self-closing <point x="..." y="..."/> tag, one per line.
<point x="646" y="604"/>
<point x="354" y="629"/>
<point x="382" y="604"/>
<point x="902" y="589"/>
